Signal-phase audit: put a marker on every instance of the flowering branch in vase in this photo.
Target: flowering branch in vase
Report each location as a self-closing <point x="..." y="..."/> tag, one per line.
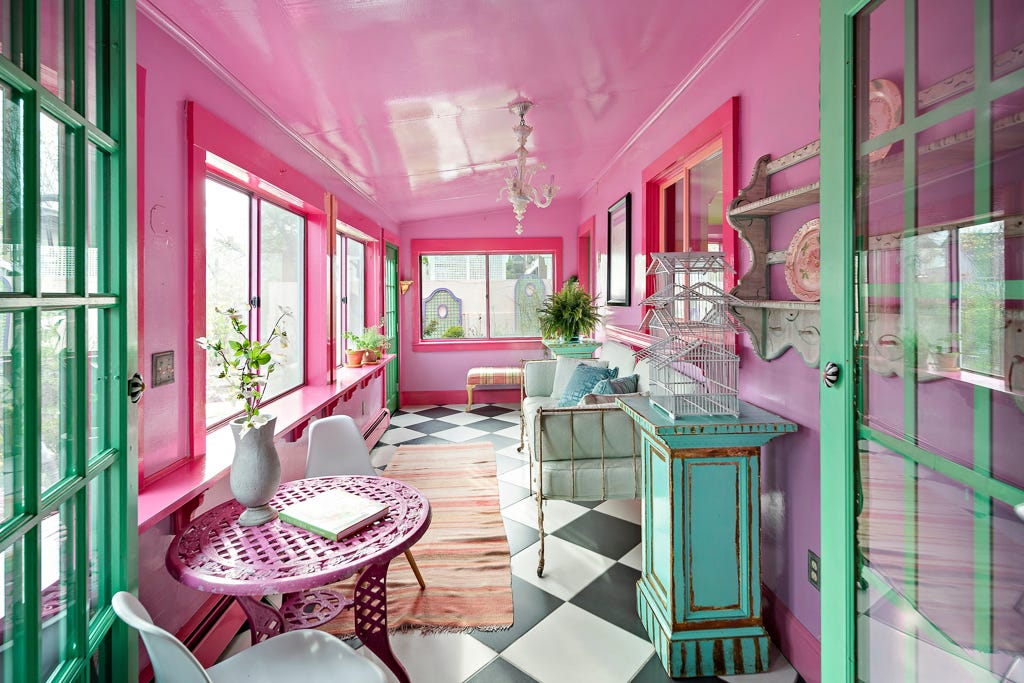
<point x="246" y="364"/>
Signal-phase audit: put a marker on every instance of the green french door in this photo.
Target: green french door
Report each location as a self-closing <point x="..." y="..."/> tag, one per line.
<point x="67" y="318"/>
<point x="922" y="460"/>
<point x="391" y="324"/>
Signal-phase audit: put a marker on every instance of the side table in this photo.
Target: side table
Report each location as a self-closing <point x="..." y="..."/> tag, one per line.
<point x="699" y="594"/>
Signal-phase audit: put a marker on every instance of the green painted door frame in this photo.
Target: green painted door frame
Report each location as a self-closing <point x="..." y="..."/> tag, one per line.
<point x="840" y="430"/>
<point x="391" y="324"/>
<point x="838" y="605"/>
<point x="69" y="315"/>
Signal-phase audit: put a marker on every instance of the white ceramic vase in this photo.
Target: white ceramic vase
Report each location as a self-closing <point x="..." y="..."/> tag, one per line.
<point x="255" y="471"/>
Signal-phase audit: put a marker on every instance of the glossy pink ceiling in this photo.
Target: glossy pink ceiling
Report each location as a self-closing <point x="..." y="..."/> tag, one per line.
<point x="409" y="98"/>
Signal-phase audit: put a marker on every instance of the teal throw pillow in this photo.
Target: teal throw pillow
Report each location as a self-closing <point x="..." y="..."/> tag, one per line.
<point x="617" y="385"/>
<point x="582" y="382"/>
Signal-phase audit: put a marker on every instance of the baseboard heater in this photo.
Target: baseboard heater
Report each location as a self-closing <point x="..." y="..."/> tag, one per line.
<point x="376" y="427"/>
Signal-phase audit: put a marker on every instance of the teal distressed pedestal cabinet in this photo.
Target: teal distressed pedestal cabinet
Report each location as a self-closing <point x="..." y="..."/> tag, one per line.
<point x="699" y="594"/>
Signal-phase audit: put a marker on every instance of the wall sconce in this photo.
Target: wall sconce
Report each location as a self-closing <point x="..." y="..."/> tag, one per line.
<point x="404" y="285"/>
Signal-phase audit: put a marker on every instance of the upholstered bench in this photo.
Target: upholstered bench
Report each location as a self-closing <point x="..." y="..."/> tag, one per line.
<point x="491" y="375"/>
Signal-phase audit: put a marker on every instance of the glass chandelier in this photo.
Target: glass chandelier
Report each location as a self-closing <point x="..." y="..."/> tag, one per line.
<point x="519" y="184"/>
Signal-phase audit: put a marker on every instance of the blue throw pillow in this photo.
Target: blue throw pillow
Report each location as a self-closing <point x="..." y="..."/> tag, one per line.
<point x="582" y="381"/>
<point x="617" y="385"/>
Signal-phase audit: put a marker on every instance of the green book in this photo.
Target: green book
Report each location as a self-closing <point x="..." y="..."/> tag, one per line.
<point x="334" y="514"/>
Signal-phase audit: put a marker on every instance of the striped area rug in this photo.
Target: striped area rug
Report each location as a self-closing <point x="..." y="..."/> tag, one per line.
<point x="464" y="555"/>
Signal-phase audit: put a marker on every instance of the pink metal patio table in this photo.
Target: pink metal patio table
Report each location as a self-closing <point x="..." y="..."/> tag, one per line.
<point x="216" y="555"/>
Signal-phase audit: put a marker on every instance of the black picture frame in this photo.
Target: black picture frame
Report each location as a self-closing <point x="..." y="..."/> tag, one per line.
<point x="619" y="257"/>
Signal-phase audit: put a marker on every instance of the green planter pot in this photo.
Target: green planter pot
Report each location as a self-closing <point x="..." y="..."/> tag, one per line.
<point x="576" y="349"/>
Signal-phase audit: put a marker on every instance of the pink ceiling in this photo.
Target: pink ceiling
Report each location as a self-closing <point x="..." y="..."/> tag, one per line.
<point x="409" y="97"/>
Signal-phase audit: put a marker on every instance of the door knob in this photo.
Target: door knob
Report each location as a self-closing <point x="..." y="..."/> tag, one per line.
<point x="830" y="375"/>
<point x="135" y="387"/>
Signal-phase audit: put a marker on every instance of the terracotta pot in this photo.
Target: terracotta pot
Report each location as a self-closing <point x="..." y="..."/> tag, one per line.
<point x="255" y="472"/>
<point x="371" y="357"/>
<point x="354" y="357"/>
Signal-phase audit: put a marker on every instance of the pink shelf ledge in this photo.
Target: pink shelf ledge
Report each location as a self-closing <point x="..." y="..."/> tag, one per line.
<point x="173" y="490"/>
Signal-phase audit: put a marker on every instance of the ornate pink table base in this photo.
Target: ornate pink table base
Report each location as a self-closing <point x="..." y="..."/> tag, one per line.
<point x="216" y="555"/>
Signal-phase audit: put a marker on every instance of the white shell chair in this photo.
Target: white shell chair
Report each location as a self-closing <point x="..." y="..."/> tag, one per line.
<point x="337" y="447"/>
<point x="308" y="655"/>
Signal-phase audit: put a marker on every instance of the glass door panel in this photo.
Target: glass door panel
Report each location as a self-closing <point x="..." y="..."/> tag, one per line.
<point x="67" y="348"/>
<point x="940" y="296"/>
<point x="53" y="46"/>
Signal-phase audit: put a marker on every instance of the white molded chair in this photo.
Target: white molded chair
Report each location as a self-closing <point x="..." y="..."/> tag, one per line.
<point x="308" y="655"/>
<point x="337" y="447"/>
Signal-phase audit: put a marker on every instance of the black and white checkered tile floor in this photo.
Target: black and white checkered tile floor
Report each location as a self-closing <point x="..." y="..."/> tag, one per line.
<point x="578" y="622"/>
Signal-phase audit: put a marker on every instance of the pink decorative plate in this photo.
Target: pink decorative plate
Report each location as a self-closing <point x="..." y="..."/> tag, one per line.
<point x="803" y="263"/>
<point x="885" y="111"/>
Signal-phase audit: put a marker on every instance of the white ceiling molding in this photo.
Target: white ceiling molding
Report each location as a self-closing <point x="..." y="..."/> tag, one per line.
<point x="177" y="33"/>
<point x="708" y="57"/>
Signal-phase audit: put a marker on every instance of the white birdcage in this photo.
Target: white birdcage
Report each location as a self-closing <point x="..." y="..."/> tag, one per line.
<point x="694" y="367"/>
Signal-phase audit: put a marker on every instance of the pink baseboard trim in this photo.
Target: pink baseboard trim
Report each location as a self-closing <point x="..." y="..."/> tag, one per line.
<point x="481" y="395"/>
<point x="792" y="638"/>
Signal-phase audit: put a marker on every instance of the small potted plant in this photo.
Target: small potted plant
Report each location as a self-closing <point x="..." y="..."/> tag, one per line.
<point x="569" y="313"/>
<point x="372" y="342"/>
<point x="246" y="364"/>
<point x="353" y="352"/>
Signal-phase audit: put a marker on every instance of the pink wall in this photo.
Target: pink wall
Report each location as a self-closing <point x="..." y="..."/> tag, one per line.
<point x="772" y="66"/>
<point x="440" y="371"/>
<point x="173" y="77"/>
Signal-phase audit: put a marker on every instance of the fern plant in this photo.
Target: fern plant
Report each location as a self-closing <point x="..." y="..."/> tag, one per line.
<point x="568" y="313"/>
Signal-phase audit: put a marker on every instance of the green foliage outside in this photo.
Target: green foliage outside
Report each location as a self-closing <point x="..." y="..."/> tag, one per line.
<point x="454" y="332"/>
<point x="247" y="363"/>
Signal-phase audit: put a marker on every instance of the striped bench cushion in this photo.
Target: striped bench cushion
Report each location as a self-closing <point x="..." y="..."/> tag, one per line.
<point x="512" y="374"/>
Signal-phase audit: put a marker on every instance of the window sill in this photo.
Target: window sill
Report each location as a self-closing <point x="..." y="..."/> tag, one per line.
<point x="476" y="345"/>
<point x="168" y="492"/>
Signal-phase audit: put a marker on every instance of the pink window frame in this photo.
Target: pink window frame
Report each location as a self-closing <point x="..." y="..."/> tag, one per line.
<point x="584" y="254"/>
<point x="208" y="133"/>
<point x="534" y="245"/>
<point x="722" y="124"/>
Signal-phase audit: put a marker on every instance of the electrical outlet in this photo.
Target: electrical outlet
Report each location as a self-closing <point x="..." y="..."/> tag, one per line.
<point x="814" y="569"/>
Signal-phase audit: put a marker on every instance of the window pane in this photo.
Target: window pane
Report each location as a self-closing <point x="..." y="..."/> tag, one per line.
<point x="96" y="540"/>
<point x="282" y="243"/>
<point x="11" y="236"/>
<point x="12" y="405"/>
<point x="336" y="299"/>
<point x="454" y="296"/>
<point x="97" y="272"/>
<point x="90" y="59"/>
<point x="98" y="380"/>
<point x="12" y="578"/>
<point x="5" y="28"/>
<point x="517" y="284"/>
<point x="227" y="283"/>
<point x="56" y="573"/>
<point x="355" y="286"/>
<point x="56" y="238"/>
<point x="52" y="46"/>
<point x="57" y="393"/>
<point x="705" y="210"/>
